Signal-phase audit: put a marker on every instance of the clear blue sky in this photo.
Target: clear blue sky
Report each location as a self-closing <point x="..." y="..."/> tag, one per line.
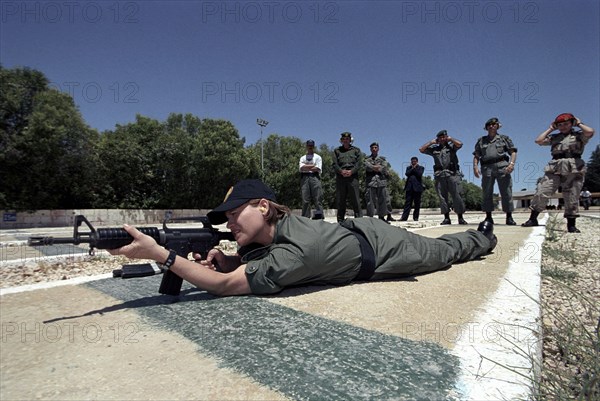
<point x="395" y="72"/>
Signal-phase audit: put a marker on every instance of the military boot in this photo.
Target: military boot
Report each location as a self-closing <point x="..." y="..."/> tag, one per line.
<point x="461" y="220"/>
<point x="446" y="219"/>
<point x="509" y="220"/>
<point x="571" y="225"/>
<point x="487" y="229"/>
<point x="532" y="222"/>
<point x="488" y="217"/>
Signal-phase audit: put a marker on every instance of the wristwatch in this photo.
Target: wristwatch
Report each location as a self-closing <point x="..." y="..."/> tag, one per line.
<point x="170" y="260"/>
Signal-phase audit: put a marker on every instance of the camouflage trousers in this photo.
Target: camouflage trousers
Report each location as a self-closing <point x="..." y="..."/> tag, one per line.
<point x="571" y="185"/>
<point x="377" y="198"/>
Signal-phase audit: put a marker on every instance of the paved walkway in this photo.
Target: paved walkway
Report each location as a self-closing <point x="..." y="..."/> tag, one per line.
<point x="429" y="337"/>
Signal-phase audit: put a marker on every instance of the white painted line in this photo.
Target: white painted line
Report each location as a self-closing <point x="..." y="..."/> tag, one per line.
<point x="52" y="259"/>
<point x="52" y="284"/>
<point x="500" y="355"/>
<point x="8" y="244"/>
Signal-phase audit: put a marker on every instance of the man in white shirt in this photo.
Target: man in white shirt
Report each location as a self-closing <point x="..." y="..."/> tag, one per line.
<point x="311" y="166"/>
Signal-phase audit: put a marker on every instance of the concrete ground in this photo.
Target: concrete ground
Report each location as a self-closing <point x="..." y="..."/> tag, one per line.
<point x="427" y="337"/>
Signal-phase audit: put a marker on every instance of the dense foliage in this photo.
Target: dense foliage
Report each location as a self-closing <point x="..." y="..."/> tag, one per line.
<point x="51" y="159"/>
<point x="592" y="176"/>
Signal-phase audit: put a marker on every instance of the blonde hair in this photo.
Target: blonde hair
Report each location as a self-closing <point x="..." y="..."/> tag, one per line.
<point x="276" y="211"/>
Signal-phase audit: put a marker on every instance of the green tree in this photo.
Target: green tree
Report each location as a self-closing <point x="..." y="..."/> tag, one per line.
<point x="592" y="176"/>
<point x="281" y="155"/>
<point x="184" y="162"/>
<point x="430" y="198"/>
<point x="327" y="176"/>
<point x="219" y="160"/>
<point x="472" y="196"/>
<point x="129" y="164"/>
<point x="47" y="150"/>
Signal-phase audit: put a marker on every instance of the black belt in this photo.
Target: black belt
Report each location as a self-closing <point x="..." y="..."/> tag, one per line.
<point x="367" y="266"/>
<point x="450" y="168"/>
<point x="492" y="161"/>
<point x="567" y="155"/>
<point x="310" y="174"/>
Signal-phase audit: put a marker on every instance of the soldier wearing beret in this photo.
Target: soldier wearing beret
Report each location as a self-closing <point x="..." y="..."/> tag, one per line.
<point x="497" y="155"/>
<point x="347" y="160"/>
<point x="377" y="172"/>
<point x="446" y="172"/>
<point x="310" y="167"/>
<point x="566" y="169"/>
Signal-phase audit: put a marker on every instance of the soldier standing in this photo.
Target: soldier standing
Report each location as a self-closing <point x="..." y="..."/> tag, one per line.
<point x="311" y="165"/>
<point x="497" y="155"/>
<point x="566" y="169"/>
<point x="377" y="171"/>
<point x="447" y="175"/>
<point x="347" y="159"/>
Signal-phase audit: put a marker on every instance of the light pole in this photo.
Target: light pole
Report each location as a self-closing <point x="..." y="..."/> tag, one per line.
<point x="262" y="123"/>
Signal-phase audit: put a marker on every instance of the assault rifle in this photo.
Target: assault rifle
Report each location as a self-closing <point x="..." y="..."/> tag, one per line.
<point x="181" y="240"/>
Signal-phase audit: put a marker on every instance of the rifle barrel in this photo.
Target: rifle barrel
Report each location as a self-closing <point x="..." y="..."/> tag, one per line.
<point x="44" y="241"/>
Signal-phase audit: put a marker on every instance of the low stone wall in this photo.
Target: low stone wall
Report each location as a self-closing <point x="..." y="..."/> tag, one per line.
<point x="116" y="217"/>
<point x="98" y="217"/>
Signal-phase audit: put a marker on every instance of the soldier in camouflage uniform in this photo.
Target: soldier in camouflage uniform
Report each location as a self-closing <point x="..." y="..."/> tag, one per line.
<point x="347" y="159"/>
<point x="447" y="175"/>
<point x="566" y="169"/>
<point x="377" y="171"/>
<point x="497" y="155"/>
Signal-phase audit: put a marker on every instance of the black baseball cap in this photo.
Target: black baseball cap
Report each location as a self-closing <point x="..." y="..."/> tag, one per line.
<point x="310" y="142"/>
<point x="442" y="133"/>
<point x="242" y="192"/>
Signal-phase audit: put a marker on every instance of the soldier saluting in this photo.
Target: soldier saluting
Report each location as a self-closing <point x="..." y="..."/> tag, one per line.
<point x="566" y="169"/>
<point x="446" y="172"/>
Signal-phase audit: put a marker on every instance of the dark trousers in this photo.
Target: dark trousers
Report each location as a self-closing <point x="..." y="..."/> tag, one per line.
<point x="347" y="187"/>
<point x="489" y="174"/>
<point x="413" y="199"/>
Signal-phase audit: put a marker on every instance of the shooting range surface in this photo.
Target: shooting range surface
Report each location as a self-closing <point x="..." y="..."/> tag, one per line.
<point x="399" y="339"/>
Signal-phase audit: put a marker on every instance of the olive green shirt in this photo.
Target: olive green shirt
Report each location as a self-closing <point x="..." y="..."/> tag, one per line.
<point x="445" y="160"/>
<point x="303" y="251"/>
<point x="497" y="149"/>
<point x="347" y="159"/>
<point x="376" y="179"/>
<point x="315" y="252"/>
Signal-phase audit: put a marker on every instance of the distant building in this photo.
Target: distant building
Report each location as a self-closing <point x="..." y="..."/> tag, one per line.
<point x="522" y="199"/>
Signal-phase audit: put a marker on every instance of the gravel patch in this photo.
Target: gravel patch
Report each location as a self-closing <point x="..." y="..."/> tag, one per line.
<point x="570" y="300"/>
<point x="56" y="269"/>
